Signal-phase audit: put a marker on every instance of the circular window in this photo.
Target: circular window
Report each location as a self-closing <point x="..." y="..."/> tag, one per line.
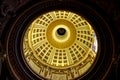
<point x="58" y="44"/>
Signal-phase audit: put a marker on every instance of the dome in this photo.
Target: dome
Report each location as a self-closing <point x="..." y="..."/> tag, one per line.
<point x="60" y="45"/>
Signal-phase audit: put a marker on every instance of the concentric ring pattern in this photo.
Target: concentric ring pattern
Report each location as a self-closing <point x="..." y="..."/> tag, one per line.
<point x="55" y="56"/>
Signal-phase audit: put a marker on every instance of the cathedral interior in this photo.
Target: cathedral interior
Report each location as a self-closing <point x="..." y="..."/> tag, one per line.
<point x="59" y="40"/>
